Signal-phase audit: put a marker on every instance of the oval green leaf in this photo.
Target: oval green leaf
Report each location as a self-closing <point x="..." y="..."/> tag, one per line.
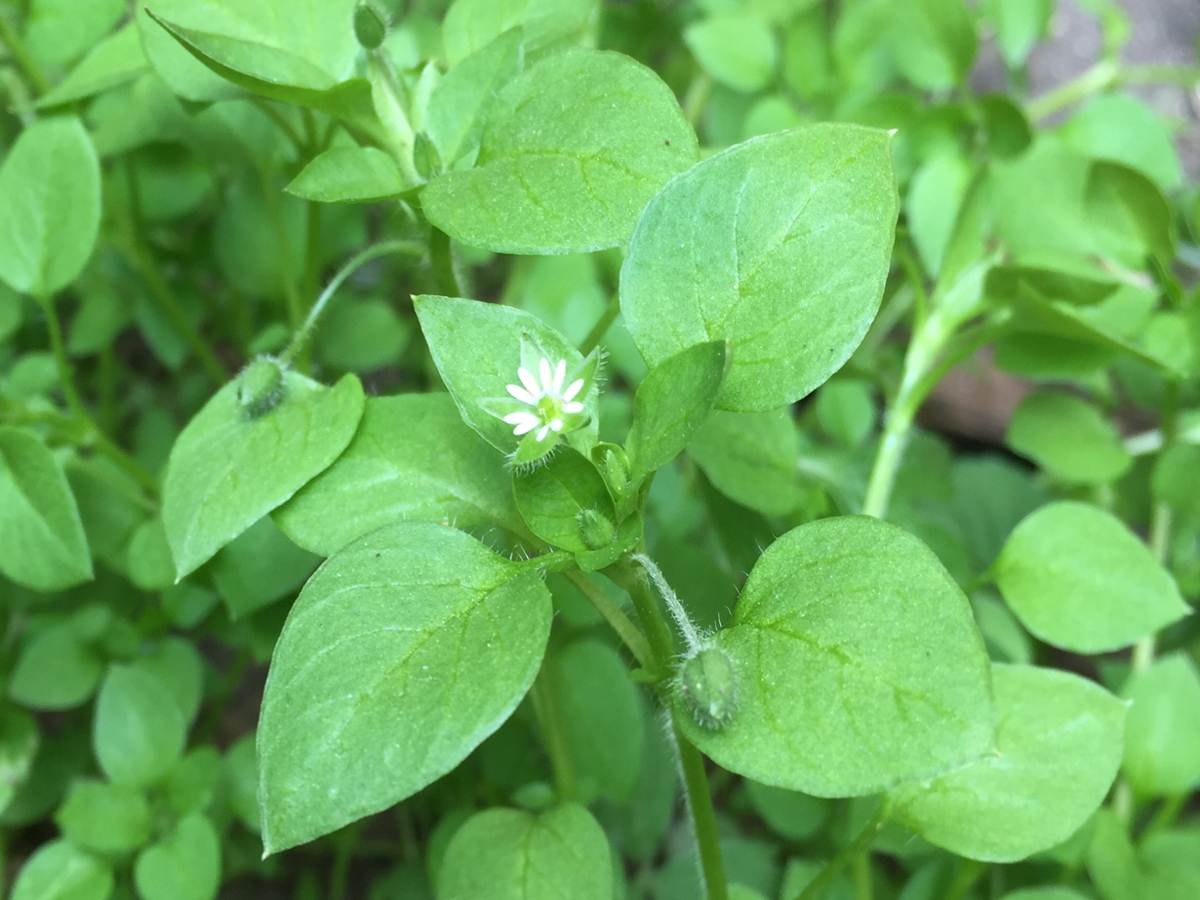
<point x="1080" y="580"/>
<point x="61" y="871"/>
<point x="412" y="458"/>
<point x="349" y="175"/>
<point x="1162" y="747"/>
<point x="571" y="153"/>
<point x="138" y="732"/>
<point x="859" y="665"/>
<point x="49" y="206"/>
<point x="1058" y="747"/>
<point x="185" y="865"/>
<point x="228" y="470"/>
<point x="509" y="854"/>
<point x="1068" y="437"/>
<point x="779" y="245"/>
<point x="403" y="652"/>
<point x="42" y="543"/>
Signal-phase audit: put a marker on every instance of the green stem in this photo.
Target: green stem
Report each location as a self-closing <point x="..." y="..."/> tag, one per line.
<point x="596" y="335"/>
<point x="312" y="265"/>
<point x="704" y="817"/>
<point x="22" y="57"/>
<point x="295" y="304"/>
<point x="280" y="120"/>
<point x="697" y="98"/>
<point x="441" y="258"/>
<point x="392" y="109"/>
<point x="863" y="886"/>
<point x="859" y="846"/>
<point x="66" y="377"/>
<point x="658" y="635"/>
<point x="304" y="332"/>
<point x="629" y="634"/>
<point x="1099" y="77"/>
<point x="545" y="707"/>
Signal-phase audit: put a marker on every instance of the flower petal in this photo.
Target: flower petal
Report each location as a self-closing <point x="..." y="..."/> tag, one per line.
<point x="524" y="421"/>
<point x="571" y="391"/>
<point x="541" y="435"/>
<point x="556" y="425"/>
<point x="521" y="394"/>
<point x="560" y="373"/>
<point x="546" y="376"/>
<point x="571" y="408"/>
<point x="530" y="383"/>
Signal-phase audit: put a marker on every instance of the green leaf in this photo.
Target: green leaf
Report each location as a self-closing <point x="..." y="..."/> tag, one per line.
<point x="736" y="49"/>
<point x="19" y="741"/>
<point x="509" y="854"/>
<point x="1164" y="728"/>
<point x="228" y="470"/>
<point x="1121" y="128"/>
<point x="186" y="865"/>
<point x="192" y="784"/>
<point x="183" y="72"/>
<point x="387" y="674"/>
<point x="601" y="717"/>
<point x="934" y="41"/>
<point x="1068" y="437"/>
<point x="363" y="335"/>
<point x="49" y="206"/>
<point x="752" y="458"/>
<point x="463" y="100"/>
<point x="572" y="151"/>
<point x="1058" y="747"/>
<point x="844" y="622"/>
<point x="61" y="871"/>
<point x="780" y="246"/>
<point x="1078" y="579"/>
<point x="846" y="410"/>
<point x="1019" y="25"/>
<point x="1045" y="893"/>
<point x="790" y="814"/>
<point x="471" y="25"/>
<point x="113" y="61"/>
<point x="671" y="405"/>
<point x="412" y="458"/>
<point x="105" y="818"/>
<point x="349" y="175"/>
<point x="1129" y="215"/>
<point x="58" y="31"/>
<point x="241" y="775"/>
<point x="933" y="203"/>
<point x="1174" y="480"/>
<point x="478" y="348"/>
<point x="139" y="729"/>
<point x="149" y="564"/>
<point x="552" y="499"/>
<point x="176" y="664"/>
<point x="261" y="565"/>
<point x="56" y="670"/>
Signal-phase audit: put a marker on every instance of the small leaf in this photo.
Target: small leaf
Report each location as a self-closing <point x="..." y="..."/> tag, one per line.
<point x="61" y="871"/>
<point x="138" y="732"/>
<point x="349" y="175"/>
<point x="105" y="818"/>
<point x="934" y="41"/>
<point x="19" y="741"/>
<point x="553" y="497"/>
<point x="228" y="470"/>
<point x="843" y="622"/>
<point x="412" y="458"/>
<point x="1068" y="437"/>
<point x="176" y="664"/>
<point x="150" y="566"/>
<point x="1058" y="747"/>
<point x="752" y="458"/>
<point x="58" y="31"/>
<point x="49" y="206"/>
<point x="1163" y="733"/>
<point x="186" y="865"/>
<point x="509" y="854"/>
<point x="478" y="348"/>
<point x="788" y="267"/>
<point x="387" y="674"/>
<point x="790" y="814"/>
<point x="1019" y="25"/>
<point x="56" y="670"/>
<point x="183" y="73"/>
<point x="1078" y="579"/>
<point x="671" y="405"/>
<point x="736" y="49"/>
<point x="471" y="25"/>
<point x="463" y="100"/>
<point x="115" y="60"/>
<point x="261" y="565"/>
<point x="362" y="335"/>
<point x="572" y="151"/>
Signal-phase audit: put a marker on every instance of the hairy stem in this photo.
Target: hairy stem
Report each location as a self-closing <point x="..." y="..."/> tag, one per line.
<point x="629" y="634"/>
<point x="704" y="817"/>
<point x="690" y="636"/>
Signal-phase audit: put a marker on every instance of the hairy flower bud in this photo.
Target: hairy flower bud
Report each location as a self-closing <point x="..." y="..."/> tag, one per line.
<point x="261" y="387"/>
<point x="370" y="25"/>
<point x="595" y="529"/>
<point x="708" y="682"/>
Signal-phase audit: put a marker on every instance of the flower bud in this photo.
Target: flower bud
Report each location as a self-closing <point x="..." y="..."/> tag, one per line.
<point x="370" y="25"/>
<point x="708" y="682"/>
<point x="261" y="387"/>
<point x="596" y="530"/>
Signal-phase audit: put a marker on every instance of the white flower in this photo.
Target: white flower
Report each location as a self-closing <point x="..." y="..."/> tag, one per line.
<point x="545" y="397"/>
